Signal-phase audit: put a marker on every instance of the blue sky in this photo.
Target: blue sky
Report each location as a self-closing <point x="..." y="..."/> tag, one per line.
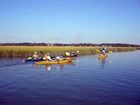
<point x="70" y="21"/>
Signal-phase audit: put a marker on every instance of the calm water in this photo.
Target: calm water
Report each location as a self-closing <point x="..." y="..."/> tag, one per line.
<point x="88" y="81"/>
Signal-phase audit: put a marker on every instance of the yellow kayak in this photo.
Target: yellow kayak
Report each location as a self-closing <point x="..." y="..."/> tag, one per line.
<point x="102" y="57"/>
<point x="54" y="62"/>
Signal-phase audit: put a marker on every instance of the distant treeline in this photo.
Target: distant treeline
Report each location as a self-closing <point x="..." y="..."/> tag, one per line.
<point x="72" y="44"/>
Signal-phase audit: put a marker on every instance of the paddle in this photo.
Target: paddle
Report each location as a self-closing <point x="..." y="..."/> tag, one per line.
<point x="42" y="52"/>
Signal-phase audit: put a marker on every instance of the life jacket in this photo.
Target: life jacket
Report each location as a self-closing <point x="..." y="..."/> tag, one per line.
<point x="67" y="54"/>
<point x="35" y="56"/>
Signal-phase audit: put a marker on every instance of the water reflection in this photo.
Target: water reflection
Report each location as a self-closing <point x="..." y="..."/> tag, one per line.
<point x="103" y="64"/>
<point x="57" y="67"/>
<point x="102" y="61"/>
<point x="48" y="67"/>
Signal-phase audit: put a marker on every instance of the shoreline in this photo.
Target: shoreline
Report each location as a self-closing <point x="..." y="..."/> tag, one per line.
<point x="26" y="51"/>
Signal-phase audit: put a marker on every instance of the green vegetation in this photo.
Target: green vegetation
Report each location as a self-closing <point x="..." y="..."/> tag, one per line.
<point x="26" y="51"/>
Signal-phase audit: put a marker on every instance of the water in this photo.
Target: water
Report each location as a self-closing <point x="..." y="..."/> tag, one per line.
<point x="88" y="81"/>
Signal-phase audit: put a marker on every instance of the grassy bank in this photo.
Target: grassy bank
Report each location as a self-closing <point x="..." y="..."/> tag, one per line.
<point x="26" y="51"/>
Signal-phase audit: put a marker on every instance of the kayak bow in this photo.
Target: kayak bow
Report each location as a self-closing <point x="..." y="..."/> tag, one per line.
<point x="102" y="57"/>
<point x="54" y="62"/>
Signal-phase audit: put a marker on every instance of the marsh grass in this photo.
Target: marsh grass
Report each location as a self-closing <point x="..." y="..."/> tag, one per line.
<point x="26" y="51"/>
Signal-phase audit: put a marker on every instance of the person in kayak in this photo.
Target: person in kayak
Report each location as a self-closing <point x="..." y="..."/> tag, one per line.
<point x="35" y="55"/>
<point x="59" y="58"/>
<point x="103" y="51"/>
<point x="47" y="57"/>
<point x="102" y="56"/>
<point x="67" y="54"/>
<point x="74" y="53"/>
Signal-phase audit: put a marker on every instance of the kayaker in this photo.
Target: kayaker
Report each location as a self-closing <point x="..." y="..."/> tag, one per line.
<point x="35" y="55"/>
<point x="103" y="51"/>
<point x="59" y="58"/>
<point x="74" y="53"/>
<point x="67" y="54"/>
<point x="47" y="57"/>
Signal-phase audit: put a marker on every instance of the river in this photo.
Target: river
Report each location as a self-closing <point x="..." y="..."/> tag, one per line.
<point x="86" y="81"/>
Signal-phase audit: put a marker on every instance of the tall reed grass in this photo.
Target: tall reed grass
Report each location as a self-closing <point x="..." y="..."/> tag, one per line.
<point x="26" y="51"/>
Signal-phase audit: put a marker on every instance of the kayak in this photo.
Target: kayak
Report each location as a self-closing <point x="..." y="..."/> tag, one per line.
<point x="102" y="57"/>
<point x="54" y="62"/>
<point x="68" y="58"/>
<point x="30" y="59"/>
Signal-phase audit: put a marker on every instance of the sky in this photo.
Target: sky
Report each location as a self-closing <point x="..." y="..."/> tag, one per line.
<point x="70" y="21"/>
